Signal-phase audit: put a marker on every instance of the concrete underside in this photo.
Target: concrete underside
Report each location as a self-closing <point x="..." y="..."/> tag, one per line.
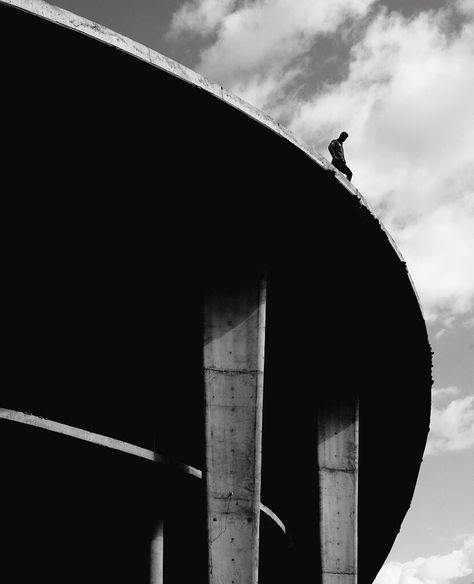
<point x="129" y="190"/>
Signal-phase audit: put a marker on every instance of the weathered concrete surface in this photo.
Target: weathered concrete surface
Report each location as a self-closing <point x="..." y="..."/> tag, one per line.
<point x="338" y="468"/>
<point x="234" y="329"/>
<point x="156" y="553"/>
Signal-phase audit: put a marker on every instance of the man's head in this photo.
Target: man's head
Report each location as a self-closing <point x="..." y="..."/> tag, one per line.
<point x="343" y="136"/>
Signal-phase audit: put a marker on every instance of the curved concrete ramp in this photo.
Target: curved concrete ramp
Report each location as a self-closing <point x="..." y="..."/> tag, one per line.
<point x="136" y="189"/>
<point x="112" y="443"/>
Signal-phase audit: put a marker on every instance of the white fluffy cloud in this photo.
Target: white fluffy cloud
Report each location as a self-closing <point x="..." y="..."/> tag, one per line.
<point x="452" y="421"/>
<point x="433" y="570"/>
<point x="438" y="394"/>
<point x="466" y="6"/>
<point x="438" y="247"/>
<point x="201" y="17"/>
<point x="257" y="43"/>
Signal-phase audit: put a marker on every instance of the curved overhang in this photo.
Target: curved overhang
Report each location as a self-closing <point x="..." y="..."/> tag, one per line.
<point x="103" y="34"/>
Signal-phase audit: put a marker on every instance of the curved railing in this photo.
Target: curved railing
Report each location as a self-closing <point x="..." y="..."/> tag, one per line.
<point x="114" y="444"/>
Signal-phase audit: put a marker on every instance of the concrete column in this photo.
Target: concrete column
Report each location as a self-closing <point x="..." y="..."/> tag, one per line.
<point x="338" y="470"/>
<point x="156" y="554"/>
<point x="234" y="329"/>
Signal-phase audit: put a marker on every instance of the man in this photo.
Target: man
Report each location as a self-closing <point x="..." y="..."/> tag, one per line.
<point x="337" y="152"/>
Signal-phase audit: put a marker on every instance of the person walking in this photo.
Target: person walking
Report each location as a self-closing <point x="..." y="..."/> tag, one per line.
<point x="337" y="152"/>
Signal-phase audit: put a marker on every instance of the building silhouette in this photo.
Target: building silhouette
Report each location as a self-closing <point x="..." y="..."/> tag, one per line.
<point x="216" y="365"/>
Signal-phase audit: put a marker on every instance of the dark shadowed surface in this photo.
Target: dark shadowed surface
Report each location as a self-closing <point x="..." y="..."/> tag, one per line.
<point x="130" y="191"/>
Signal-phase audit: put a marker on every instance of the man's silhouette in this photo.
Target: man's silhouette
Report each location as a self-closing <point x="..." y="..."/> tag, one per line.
<point x="337" y="152"/>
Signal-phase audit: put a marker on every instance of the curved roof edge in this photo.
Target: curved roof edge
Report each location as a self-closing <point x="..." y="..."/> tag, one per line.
<point x="113" y="444"/>
<point x="101" y="33"/>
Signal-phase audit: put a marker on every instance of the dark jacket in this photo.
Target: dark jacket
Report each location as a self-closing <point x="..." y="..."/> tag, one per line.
<point x="336" y="150"/>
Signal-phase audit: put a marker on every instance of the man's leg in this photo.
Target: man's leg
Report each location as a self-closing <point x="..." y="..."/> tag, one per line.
<point x="346" y="170"/>
<point x="336" y="163"/>
<point x="342" y="167"/>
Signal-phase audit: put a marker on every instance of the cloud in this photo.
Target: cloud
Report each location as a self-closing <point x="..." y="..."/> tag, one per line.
<point x="433" y="570"/>
<point x="463" y="536"/>
<point x="201" y="17"/>
<point x="438" y="247"/>
<point x="466" y="6"/>
<point x="452" y="424"/>
<point x="440" y="334"/>
<point x="443" y="392"/>
<point x="256" y="45"/>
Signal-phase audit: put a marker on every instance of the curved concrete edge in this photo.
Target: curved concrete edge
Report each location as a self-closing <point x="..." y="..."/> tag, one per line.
<point x="78" y="23"/>
<point x="92" y="437"/>
<point x="114" y="444"/>
<point x="273" y="516"/>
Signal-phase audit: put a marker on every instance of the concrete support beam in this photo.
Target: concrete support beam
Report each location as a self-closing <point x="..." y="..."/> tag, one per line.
<point x="234" y="329"/>
<point x="156" y="554"/>
<point x="338" y="471"/>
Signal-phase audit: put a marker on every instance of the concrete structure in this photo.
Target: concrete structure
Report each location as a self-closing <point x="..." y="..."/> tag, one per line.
<point x="186" y="278"/>
<point x="338" y="449"/>
<point x="234" y="341"/>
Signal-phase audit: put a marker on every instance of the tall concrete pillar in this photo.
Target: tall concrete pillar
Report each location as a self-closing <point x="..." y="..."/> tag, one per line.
<point x="234" y="329"/>
<point x="156" y="554"/>
<point x="338" y="445"/>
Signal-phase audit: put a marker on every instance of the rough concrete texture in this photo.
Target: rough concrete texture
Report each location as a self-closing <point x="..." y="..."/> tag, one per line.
<point x="234" y="340"/>
<point x="157" y="554"/>
<point x="338" y="469"/>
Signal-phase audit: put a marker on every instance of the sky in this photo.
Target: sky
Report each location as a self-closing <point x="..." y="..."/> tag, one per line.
<point x="398" y="76"/>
